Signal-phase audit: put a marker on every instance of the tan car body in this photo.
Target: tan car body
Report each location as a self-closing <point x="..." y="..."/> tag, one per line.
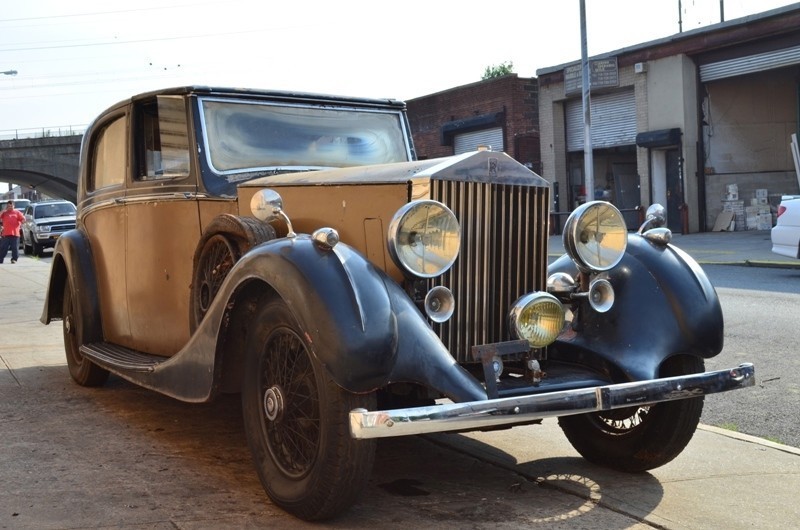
<point x="256" y="242"/>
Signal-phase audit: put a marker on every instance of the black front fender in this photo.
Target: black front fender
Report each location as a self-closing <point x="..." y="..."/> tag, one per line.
<point x="664" y="305"/>
<point x="359" y="324"/>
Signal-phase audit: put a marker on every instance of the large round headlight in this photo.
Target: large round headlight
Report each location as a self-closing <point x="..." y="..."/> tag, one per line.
<point x="537" y="317"/>
<point x="595" y="236"/>
<point x="424" y="238"/>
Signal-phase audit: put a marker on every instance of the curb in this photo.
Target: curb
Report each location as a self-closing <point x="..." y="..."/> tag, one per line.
<point x="750" y="439"/>
<point x="773" y="264"/>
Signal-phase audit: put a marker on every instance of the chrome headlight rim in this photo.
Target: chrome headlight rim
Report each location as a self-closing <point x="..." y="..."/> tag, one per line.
<point x="585" y="231"/>
<point x="541" y="337"/>
<point x="417" y="261"/>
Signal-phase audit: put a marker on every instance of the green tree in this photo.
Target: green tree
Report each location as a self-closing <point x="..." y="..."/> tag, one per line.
<point x="498" y="70"/>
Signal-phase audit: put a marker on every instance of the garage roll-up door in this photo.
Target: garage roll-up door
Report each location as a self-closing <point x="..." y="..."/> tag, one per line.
<point x="613" y="120"/>
<point x="750" y="64"/>
<point x="463" y="143"/>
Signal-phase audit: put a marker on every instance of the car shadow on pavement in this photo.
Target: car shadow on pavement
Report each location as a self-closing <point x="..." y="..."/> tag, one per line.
<point x="122" y="455"/>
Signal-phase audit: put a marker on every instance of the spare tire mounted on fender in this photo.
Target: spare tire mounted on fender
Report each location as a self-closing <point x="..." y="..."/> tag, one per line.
<point x="223" y="242"/>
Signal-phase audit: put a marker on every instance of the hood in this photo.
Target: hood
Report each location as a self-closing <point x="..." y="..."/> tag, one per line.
<point x="475" y="166"/>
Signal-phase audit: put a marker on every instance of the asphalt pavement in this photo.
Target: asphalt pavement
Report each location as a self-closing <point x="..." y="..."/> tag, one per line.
<point x="125" y="457"/>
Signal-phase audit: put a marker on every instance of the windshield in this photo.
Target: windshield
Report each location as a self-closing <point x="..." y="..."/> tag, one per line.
<point x="245" y="136"/>
<point x="53" y="210"/>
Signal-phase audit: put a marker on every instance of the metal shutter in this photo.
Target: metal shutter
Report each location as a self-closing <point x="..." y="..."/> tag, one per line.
<point x="750" y="64"/>
<point x="466" y="142"/>
<point x="613" y="121"/>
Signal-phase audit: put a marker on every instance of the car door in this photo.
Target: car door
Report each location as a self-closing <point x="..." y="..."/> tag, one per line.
<point x="163" y="226"/>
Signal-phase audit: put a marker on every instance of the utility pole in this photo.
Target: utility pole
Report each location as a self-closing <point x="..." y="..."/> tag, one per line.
<point x="588" y="162"/>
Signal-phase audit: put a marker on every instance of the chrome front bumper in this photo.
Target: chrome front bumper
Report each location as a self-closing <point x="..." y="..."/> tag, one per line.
<point x="477" y="415"/>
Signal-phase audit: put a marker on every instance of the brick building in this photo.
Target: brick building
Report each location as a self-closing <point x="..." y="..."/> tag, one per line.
<point x="501" y="113"/>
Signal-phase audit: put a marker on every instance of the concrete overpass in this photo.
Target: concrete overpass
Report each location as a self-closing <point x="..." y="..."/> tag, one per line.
<point x="47" y="164"/>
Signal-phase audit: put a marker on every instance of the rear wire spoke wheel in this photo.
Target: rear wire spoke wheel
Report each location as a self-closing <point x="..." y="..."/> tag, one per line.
<point x="82" y="370"/>
<point x="297" y="421"/>
<point x="635" y="439"/>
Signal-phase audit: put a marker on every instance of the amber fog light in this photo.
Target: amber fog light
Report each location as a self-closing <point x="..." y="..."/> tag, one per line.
<point x="538" y="318"/>
<point x="595" y="236"/>
<point x="424" y="238"/>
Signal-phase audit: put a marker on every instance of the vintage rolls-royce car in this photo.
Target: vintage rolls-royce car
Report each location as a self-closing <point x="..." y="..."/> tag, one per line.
<point x="289" y="247"/>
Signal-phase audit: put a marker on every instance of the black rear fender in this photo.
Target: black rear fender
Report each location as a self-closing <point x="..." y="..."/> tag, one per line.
<point x="72" y="261"/>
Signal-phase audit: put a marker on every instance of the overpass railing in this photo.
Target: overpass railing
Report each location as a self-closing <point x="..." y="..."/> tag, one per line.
<point x="42" y="132"/>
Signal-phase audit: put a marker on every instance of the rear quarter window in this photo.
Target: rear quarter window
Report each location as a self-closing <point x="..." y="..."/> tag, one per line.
<point x="108" y="156"/>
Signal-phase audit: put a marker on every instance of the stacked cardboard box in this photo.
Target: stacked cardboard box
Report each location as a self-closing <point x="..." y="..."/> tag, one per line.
<point x="758" y="214"/>
<point x="758" y="217"/>
<point x="737" y="208"/>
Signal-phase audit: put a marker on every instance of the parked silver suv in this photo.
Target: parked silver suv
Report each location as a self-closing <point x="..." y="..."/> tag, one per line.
<point x="44" y="223"/>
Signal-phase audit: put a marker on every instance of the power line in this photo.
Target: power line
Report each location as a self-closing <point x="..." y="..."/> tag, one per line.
<point x="134" y="41"/>
<point x="193" y="5"/>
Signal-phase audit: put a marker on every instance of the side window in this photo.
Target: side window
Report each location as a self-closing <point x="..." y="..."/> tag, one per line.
<point x="108" y="167"/>
<point x="162" y="139"/>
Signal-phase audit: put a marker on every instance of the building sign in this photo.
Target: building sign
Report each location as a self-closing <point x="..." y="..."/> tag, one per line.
<point x="603" y="73"/>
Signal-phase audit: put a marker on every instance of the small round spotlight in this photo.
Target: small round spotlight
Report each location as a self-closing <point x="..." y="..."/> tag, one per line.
<point x="538" y="318"/>
<point x="439" y="304"/>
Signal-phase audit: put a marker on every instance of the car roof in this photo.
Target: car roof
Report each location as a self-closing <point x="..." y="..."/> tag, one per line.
<point x="54" y="201"/>
<point x="267" y="95"/>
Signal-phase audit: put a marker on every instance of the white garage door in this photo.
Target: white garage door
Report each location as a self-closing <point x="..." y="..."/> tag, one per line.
<point x="613" y="121"/>
<point x="463" y="143"/>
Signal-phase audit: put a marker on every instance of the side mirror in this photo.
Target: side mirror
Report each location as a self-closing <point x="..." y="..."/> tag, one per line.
<point x="267" y="205"/>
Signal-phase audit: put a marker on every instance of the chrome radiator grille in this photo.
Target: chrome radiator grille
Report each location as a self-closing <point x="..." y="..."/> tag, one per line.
<point x="503" y="256"/>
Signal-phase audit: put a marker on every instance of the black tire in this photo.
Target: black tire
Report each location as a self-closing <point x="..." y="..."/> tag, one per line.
<point x="225" y="240"/>
<point x="82" y="370"/>
<point x="217" y="257"/>
<point x="296" y="421"/>
<point x="26" y="248"/>
<point x="38" y="249"/>
<point x="638" y="438"/>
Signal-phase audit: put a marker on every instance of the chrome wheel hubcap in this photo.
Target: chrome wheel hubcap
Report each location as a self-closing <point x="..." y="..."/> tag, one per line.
<point x="273" y="403"/>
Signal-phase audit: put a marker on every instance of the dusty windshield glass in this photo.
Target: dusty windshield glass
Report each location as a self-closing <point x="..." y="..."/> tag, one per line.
<point x="247" y="136"/>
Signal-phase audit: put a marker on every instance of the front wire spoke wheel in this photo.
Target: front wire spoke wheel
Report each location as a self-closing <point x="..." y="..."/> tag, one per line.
<point x="636" y="439"/>
<point x="296" y="419"/>
<point x="625" y="421"/>
<point x="294" y="433"/>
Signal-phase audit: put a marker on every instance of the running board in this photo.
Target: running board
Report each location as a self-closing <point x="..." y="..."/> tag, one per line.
<point x="113" y="357"/>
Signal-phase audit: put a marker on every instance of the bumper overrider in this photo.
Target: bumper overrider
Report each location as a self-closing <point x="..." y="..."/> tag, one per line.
<point x="477" y="415"/>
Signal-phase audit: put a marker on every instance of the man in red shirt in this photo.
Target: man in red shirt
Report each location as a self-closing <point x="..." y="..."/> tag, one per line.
<point x="12" y="219"/>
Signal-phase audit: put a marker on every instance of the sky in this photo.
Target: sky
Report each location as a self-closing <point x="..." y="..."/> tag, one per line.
<point x="75" y="58"/>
